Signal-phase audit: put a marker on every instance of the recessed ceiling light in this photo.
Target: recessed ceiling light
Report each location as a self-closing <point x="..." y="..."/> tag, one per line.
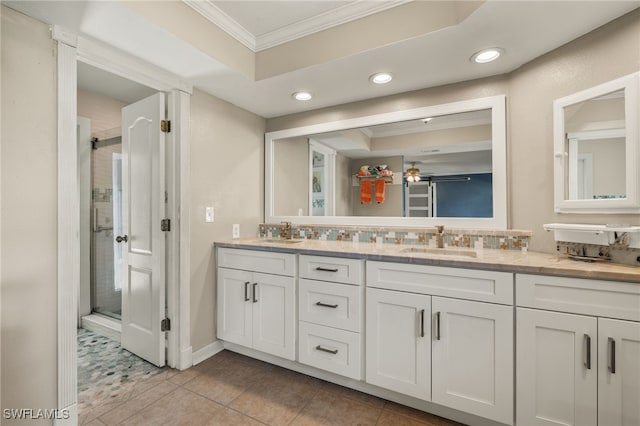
<point x="301" y="96"/>
<point x="426" y="120"/>
<point x="487" y="55"/>
<point x="381" y="78"/>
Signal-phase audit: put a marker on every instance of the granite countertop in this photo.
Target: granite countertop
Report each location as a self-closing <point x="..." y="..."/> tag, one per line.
<point x="487" y="259"/>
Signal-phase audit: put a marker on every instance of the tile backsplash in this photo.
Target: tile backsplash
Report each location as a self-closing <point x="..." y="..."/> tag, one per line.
<point x="489" y="239"/>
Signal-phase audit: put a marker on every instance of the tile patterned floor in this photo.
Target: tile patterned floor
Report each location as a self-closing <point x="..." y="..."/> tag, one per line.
<point x="230" y="389"/>
<point x="105" y="370"/>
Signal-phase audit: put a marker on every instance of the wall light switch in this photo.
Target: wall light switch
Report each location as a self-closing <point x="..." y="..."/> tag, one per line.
<point x="208" y="214"/>
<point x="236" y="230"/>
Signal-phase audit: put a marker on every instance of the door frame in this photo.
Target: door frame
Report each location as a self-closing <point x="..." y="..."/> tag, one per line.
<point x="71" y="49"/>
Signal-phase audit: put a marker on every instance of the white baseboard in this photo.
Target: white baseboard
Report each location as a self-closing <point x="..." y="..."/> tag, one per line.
<point x="207" y="352"/>
<point x="67" y="416"/>
<point x="186" y="359"/>
<point x="103" y="326"/>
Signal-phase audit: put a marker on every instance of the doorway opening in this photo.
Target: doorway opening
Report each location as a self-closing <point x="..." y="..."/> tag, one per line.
<point x="101" y="97"/>
<point x="73" y="53"/>
<point x="105" y="367"/>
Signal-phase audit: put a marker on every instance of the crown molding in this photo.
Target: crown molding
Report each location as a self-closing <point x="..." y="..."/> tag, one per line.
<point x="215" y="15"/>
<point x="324" y="21"/>
<point x="342" y="15"/>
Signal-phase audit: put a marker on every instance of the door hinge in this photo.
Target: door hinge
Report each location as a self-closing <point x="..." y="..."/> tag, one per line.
<point x="165" y="126"/>
<point x="165" y="225"/>
<point x="165" y="325"/>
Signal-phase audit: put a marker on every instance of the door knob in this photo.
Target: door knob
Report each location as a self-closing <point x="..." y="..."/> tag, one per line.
<point x="120" y="239"/>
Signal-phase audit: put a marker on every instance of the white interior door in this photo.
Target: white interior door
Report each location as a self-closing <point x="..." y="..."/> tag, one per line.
<point x="143" y="206"/>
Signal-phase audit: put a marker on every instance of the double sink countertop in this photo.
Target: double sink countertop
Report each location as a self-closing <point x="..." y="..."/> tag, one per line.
<point x="488" y="259"/>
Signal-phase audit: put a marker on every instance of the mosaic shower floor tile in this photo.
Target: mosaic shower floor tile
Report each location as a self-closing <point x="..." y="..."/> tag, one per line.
<point x="106" y="372"/>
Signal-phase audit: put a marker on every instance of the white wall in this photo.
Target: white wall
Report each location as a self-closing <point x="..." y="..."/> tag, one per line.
<point x="105" y="113"/>
<point x="29" y="215"/>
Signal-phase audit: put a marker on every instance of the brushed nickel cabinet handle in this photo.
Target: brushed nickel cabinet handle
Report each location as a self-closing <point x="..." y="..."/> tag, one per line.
<point x="612" y="355"/>
<point x="246" y="291"/>
<point x="255" y="299"/>
<point x="422" y="323"/>
<point x="326" y="305"/>
<point x="587" y="351"/>
<point x="320" y="268"/>
<point x="437" y="325"/>
<point x="330" y="351"/>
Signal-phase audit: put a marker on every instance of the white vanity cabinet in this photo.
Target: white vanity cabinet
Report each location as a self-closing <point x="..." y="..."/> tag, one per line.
<point x="472" y="357"/>
<point x="442" y="334"/>
<point x="330" y="313"/>
<point x="398" y="342"/>
<point x="257" y="309"/>
<point x="578" y="351"/>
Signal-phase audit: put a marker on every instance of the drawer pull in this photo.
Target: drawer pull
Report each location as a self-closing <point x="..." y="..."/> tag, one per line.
<point x="612" y="355"/>
<point x="437" y="325"/>
<point x="422" y="323"/>
<point x="330" y="351"/>
<point x="320" y="268"/>
<point x="246" y="291"/>
<point x="326" y="305"/>
<point x="255" y="298"/>
<point x="587" y="352"/>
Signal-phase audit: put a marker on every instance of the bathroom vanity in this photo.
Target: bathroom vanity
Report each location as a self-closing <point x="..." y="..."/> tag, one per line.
<point x="440" y="330"/>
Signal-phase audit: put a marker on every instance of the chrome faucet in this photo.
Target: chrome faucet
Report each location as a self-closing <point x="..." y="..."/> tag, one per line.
<point x="286" y="231"/>
<point x="440" y="236"/>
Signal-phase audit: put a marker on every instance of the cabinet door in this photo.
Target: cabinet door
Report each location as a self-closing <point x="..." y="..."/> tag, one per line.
<point x="273" y="300"/>
<point x="556" y="362"/>
<point x="472" y="357"/>
<point x="234" y="306"/>
<point x="619" y="372"/>
<point x="398" y="342"/>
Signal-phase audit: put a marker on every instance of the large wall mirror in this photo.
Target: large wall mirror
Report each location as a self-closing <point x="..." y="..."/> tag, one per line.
<point x="437" y="165"/>
<point x="596" y="149"/>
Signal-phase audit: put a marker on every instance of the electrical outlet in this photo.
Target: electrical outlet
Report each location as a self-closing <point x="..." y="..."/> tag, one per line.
<point x="236" y="230"/>
<point x="208" y="214"/>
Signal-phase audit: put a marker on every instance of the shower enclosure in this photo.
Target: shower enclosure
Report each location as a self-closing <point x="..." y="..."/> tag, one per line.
<point x="106" y="255"/>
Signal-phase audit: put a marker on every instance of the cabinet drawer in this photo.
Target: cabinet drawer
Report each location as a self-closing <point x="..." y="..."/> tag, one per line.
<point x="336" y="269"/>
<point x="258" y="261"/>
<point x="483" y="286"/>
<point x="581" y="296"/>
<point x="330" y="349"/>
<point x="335" y="305"/>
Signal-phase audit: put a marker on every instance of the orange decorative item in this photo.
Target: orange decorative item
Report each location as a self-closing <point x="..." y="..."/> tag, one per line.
<point x="379" y="185"/>
<point x="365" y="192"/>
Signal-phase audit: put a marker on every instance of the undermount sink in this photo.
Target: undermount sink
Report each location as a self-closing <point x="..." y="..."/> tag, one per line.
<point x="281" y="241"/>
<point x="440" y="251"/>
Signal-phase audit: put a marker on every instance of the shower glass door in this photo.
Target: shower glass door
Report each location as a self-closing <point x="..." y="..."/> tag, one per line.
<point x="106" y="294"/>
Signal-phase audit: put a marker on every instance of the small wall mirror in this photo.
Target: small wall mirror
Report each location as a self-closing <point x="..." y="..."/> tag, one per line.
<point x="596" y="149"/>
<point x="356" y="171"/>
